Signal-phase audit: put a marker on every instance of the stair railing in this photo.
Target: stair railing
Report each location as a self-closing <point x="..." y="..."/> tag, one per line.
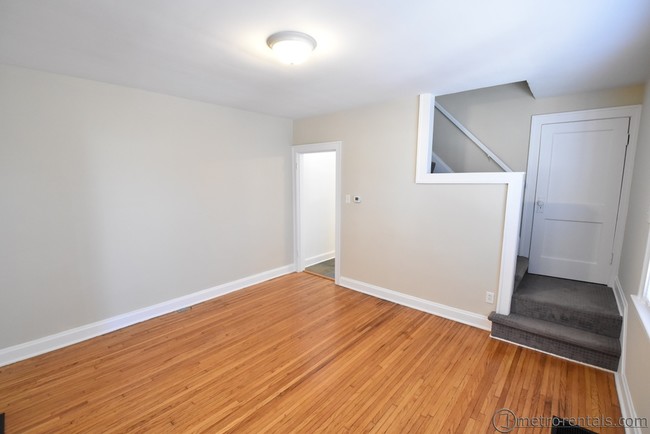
<point x="491" y="155"/>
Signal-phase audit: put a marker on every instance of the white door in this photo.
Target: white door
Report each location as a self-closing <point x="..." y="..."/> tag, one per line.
<point x="577" y="196"/>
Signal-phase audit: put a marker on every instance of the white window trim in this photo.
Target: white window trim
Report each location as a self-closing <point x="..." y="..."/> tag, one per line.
<point x="642" y="301"/>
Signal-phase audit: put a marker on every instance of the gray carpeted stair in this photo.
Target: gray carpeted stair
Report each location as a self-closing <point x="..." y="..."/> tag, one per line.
<point x="576" y="320"/>
<point x="581" y="305"/>
<point x="569" y="342"/>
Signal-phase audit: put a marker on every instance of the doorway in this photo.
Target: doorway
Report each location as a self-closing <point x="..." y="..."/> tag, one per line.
<point x="317" y="198"/>
<point x="577" y="190"/>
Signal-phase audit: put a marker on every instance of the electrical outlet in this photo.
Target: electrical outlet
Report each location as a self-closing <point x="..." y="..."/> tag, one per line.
<point x="489" y="297"/>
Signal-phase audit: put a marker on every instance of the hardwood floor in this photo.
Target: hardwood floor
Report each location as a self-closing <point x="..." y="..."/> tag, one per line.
<point x="296" y="354"/>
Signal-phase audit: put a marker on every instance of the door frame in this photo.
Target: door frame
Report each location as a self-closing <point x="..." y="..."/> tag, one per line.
<point x="537" y="122"/>
<point x="296" y="152"/>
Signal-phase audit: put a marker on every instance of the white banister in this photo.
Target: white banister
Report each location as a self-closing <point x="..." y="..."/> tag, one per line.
<point x="491" y="155"/>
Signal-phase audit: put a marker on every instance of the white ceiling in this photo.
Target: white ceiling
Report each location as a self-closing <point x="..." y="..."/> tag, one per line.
<point x="368" y="50"/>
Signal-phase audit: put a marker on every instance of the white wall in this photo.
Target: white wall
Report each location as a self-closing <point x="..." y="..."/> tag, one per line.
<point x="500" y="117"/>
<point x="637" y="231"/>
<point x="437" y="242"/>
<point x="318" y="194"/>
<point x="113" y="199"/>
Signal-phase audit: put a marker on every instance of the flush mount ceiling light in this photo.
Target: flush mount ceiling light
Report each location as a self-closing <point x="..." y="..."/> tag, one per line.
<point x="291" y="47"/>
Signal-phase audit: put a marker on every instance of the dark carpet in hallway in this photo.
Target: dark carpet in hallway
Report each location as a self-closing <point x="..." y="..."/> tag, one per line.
<point x="325" y="268"/>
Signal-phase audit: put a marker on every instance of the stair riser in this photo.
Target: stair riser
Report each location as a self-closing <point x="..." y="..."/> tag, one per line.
<point x="599" y="324"/>
<point x="549" y="345"/>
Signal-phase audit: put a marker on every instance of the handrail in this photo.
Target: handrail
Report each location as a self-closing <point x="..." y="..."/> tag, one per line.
<point x="491" y="155"/>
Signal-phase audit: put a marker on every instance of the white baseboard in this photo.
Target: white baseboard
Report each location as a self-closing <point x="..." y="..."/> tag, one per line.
<point x="625" y="401"/>
<point x="622" y="388"/>
<point x="452" y="313"/>
<point x="620" y="296"/>
<point x="319" y="258"/>
<point x="33" y="348"/>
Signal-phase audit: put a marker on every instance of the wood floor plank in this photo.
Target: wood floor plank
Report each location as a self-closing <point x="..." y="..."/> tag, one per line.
<point x="295" y="354"/>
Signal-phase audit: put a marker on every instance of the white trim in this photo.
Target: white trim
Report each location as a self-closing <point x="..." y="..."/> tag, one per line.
<point x="296" y="152"/>
<point x="620" y="297"/>
<point x="471" y="178"/>
<point x="452" y="313"/>
<point x="625" y="401"/>
<point x="425" y="136"/>
<point x="626" y="188"/>
<point x="510" y="243"/>
<point x="631" y="112"/>
<point x="514" y="182"/>
<point x="53" y="342"/>
<point x="319" y="258"/>
<point x="488" y="152"/>
<point x="550" y="354"/>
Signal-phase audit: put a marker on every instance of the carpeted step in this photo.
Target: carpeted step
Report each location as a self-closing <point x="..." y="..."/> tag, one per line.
<point x="520" y="270"/>
<point x="572" y="343"/>
<point x="586" y="306"/>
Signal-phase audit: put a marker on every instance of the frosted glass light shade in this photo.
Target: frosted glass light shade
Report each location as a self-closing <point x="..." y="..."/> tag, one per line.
<point x="291" y="48"/>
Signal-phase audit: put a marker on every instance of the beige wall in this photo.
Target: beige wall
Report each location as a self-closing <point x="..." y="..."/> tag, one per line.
<point x="457" y="150"/>
<point x="114" y="199"/>
<point x="500" y="117"/>
<point x="442" y="242"/>
<point x="637" y="231"/>
<point x="437" y="242"/>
